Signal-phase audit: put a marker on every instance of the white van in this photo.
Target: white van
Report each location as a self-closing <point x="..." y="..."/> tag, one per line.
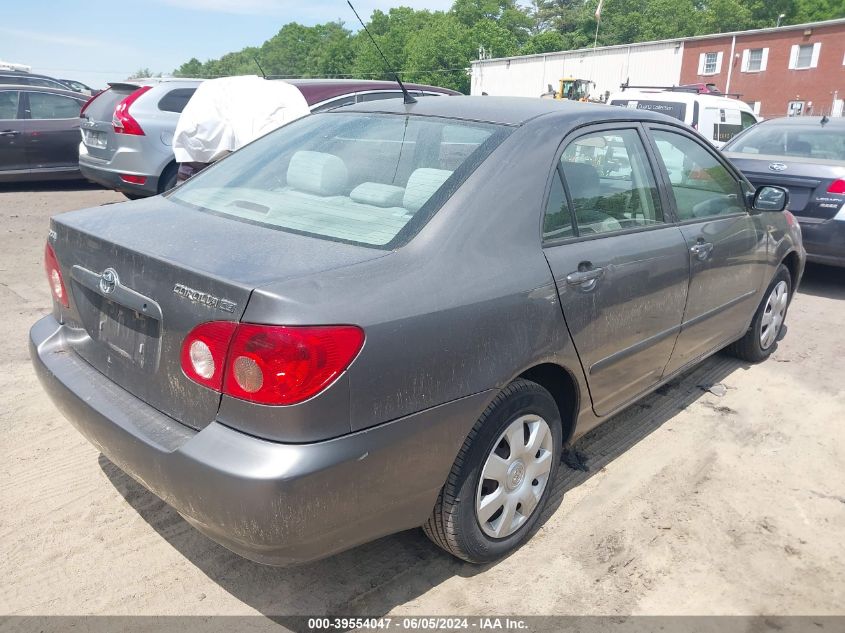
<point x="716" y="117"/>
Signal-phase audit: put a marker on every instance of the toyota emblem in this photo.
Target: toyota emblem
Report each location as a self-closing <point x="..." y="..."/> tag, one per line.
<point x="108" y="280"/>
<point x="777" y="166"/>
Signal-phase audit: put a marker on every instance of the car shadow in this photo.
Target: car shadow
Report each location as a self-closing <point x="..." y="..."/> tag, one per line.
<point x="823" y="281"/>
<point x="49" y="185"/>
<point x="374" y="578"/>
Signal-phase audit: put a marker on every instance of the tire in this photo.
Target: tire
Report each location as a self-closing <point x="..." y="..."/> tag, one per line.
<point x="760" y="340"/>
<point x="167" y="180"/>
<point x="454" y="524"/>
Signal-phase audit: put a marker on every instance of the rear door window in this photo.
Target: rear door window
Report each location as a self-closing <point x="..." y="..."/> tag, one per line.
<point x="610" y="182"/>
<point x="701" y="185"/>
<point x="9" y="104"/>
<point x="43" y="105"/>
<point x="176" y="100"/>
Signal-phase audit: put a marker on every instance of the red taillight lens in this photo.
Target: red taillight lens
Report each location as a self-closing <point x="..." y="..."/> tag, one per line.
<point x="133" y="179"/>
<point x="204" y="352"/>
<point x="121" y="120"/>
<point x="285" y="365"/>
<point x="269" y="364"/>
<point x="87" y="103"/>
<point x="54" y="276"/>
<point x="837" y="186"/>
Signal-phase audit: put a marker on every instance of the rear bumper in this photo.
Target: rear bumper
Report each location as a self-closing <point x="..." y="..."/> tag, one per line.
<point x="824" y="240"/>
<point x="107" y="173"/>
<point x="273" y="503"/>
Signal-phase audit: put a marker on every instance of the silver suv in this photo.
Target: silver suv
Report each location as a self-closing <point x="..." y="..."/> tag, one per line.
<point x="127" y="131"/>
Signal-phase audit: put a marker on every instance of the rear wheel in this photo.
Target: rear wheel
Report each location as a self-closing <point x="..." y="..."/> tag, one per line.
<point x="168" y="178"/>
<point x="502" y="477"/>
<point x="761" y="338"/>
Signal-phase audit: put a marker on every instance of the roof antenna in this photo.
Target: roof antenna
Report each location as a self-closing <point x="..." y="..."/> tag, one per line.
<point x="824" y="120"/>
<point x="255" y="59"/>
<point x="408" y="98"/>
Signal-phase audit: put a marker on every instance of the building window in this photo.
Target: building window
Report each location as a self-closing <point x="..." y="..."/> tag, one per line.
<point x="795" y="108"/>
<point x="754" y="60"/>
<point x="755" y="106"/>
<point x="709" y="63"/>
<point x="803" y="56"/>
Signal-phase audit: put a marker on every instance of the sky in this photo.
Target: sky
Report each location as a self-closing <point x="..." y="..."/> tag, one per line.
<point x="98" y="41"/>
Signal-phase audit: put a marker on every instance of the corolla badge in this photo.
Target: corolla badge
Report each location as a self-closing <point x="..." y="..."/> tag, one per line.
<point x="777" y="166"/>
<point x="109" y="280"/>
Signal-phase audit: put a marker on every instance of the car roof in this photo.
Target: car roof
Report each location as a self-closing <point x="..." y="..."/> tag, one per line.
<point x="805" y="121"/>
<point x="504" y="110"/>
<point x="680" y="97"/>
<point x="22" y="73"/>
<point x="58" y="91"/>
<point x="319" y="90"/>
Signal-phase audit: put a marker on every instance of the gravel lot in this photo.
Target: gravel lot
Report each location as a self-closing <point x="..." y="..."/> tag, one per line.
<point x="694" y="503"/>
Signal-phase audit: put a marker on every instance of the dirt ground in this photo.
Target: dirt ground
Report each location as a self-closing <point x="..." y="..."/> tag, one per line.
<point x="694" y="503"/>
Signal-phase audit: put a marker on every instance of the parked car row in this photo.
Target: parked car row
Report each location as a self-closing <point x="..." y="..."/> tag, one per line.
<point x="127" y="130"/>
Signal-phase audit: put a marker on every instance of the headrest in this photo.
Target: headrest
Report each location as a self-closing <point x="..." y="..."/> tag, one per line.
<point x="378" y="194"/>
<point x="421" y="186"/>
<point x="317" y="172"/>
<point x="582" y="179"/>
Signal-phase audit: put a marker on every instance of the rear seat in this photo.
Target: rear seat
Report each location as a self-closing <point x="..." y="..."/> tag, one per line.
<point x="314" y="197"/>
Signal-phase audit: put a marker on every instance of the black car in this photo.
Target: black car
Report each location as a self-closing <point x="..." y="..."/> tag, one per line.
<point x="39" y="133"/>
<point x="807" y="156"/>
<point x="21" y="78"/>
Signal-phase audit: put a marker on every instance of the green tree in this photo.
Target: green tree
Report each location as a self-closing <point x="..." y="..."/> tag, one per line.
<point x="544" y="42"/>
<point x="439" y="54"/>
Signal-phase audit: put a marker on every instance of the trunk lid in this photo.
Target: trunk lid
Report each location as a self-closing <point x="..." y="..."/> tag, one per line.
<point x="97" y="132"/>
<point x="141" y="275"/>
<point x="806" y="179"/>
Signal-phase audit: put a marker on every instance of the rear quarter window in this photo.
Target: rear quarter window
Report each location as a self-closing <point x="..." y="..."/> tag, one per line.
<point x="176" y="100"/>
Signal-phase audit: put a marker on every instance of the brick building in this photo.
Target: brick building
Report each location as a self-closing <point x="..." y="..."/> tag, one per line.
<point x="787" y="70"/>
<point x="798" y="69"/>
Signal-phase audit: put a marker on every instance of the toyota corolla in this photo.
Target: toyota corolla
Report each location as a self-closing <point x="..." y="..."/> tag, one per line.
<point x="398" y="315"/>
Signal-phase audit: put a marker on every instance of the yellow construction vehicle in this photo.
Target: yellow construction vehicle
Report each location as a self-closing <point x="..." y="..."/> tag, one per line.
<point x="572" y="89"/>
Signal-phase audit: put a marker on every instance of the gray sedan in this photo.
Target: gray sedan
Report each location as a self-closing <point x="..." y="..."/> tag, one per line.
<point x="390" y="316"/>
<point x="805" y="155"/>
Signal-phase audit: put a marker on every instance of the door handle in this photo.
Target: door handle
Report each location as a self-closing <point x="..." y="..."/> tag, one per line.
<point x="701" y="250"/>
<point x="585" y="278"/>
<point x="9" y="133"/>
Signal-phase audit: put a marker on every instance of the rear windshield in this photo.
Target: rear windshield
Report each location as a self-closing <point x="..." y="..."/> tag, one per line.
<point x="669" y="108"/>
<point x="369" y="179"/>
<point x="792" y="140"/>
<point x="102" y="107"/>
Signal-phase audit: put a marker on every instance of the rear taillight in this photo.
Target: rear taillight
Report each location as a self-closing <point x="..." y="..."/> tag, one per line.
<point x="133" y="179"/>
<point x="122" y="121"/>
<point x="204" y="352"/>
<point x="269" y="364"/>
<point x="837" y="186"/>
<point x="87" y="103"/>
<point x="54" y="276"/>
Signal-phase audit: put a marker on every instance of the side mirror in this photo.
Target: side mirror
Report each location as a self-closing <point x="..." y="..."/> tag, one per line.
<point x="769" y="198"/>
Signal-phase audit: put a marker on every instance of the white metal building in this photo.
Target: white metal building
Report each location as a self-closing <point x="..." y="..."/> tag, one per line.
<point x="652" y="63"/>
